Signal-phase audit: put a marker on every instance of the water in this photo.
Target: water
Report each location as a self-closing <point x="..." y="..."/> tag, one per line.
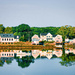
<point x="38" y="63"/>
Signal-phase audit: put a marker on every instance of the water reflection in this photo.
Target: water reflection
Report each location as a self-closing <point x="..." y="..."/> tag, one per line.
<point x="25" y="58"/>
<point x="68" y="59"/>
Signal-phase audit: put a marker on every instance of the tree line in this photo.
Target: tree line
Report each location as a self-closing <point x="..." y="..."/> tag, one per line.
<point x="26" y="32"/>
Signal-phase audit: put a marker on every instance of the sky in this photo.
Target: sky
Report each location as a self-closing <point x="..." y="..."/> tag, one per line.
<point x="37" y="13"/>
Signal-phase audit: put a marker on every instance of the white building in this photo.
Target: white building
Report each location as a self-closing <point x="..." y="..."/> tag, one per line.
<point x="49" y="37"/>
<point x="8" y="38"/>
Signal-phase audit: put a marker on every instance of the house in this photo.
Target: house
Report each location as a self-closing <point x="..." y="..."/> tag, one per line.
<point x="58" y="53"/>
<point x="8" y="38"/>
<point x="72" y="41"/>
<point x="35" y="39"/>
<point x="49" y="54"/>
<point x="35" y="53"/>
<point x="42" y="53"/>
<point x="16" y="38"/>
<point x="22" y="54"/>
<point x="43" y="37"/>
<point x="67" y="51"/>
<point x="58" y="39"/>
<point x="6" y="54"/>
<point x="67" y="40"/>
<point x="49" y="37"/>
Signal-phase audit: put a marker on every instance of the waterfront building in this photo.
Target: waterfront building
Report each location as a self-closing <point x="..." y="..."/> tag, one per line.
<point x="8" y="38"/>
<point x="58" y="41"/>
<point x="49" y="37"/>
<point x="67" y="40"/>
<point x="35" y="39"/>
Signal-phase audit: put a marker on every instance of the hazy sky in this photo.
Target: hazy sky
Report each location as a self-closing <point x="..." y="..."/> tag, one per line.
<point x="38" y="13"/>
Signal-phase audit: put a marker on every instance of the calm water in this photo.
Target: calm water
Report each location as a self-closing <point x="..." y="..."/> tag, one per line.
<point x="36" y="62"/>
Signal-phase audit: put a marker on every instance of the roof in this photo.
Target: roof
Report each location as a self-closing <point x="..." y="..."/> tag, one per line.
<point x="6" y="35"/>
<point x="35" y="36"/>
<point x="49" y="34"/>
<point x="15" y="37"/>
<point x="43" y="34"/>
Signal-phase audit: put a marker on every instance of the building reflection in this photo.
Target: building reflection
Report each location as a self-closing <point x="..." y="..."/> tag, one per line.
<point x="47" y="53"/>
<point x="24" y="59"/>
<point x="70" y="50"/>
<point x="57" y="52"/>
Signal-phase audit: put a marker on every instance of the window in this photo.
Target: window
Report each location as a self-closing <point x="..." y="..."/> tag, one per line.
<point x="2" y="54"/>
<point x="58" y="38"/>
<point x="57" y="41"/>
<point x="5" y="39"/>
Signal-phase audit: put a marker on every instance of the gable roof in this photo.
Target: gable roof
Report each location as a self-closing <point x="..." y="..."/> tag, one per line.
<point x="6" y="35"/>
<point x="35" y="36"/>
<point x="15" y="37"/>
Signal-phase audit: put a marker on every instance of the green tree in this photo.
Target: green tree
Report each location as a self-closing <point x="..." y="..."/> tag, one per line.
<point x="23" y="28"/>
<point x="8" y="30"/>
<point x="24" y="31"/>
<point x="2" y="28"/>
<point x="67" y="32"/>
<point x="17" y="33"/>
<point x="21" y="38"/>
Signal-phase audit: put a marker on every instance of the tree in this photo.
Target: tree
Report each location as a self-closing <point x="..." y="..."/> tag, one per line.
<point x="8" y="30"/>
<point x="17" y="33"/>
<point x="67" y="32"/>
<point x="2" y="28"/>
<point x="23" y="28"/>
<point x="21" y="38"/>
<point x="25" y="31"/>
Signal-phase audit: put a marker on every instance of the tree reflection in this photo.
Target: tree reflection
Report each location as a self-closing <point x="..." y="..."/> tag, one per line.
<point x="1" y="63"/>
<point x="25" y="61"/>
<point x="68" y="59"/>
